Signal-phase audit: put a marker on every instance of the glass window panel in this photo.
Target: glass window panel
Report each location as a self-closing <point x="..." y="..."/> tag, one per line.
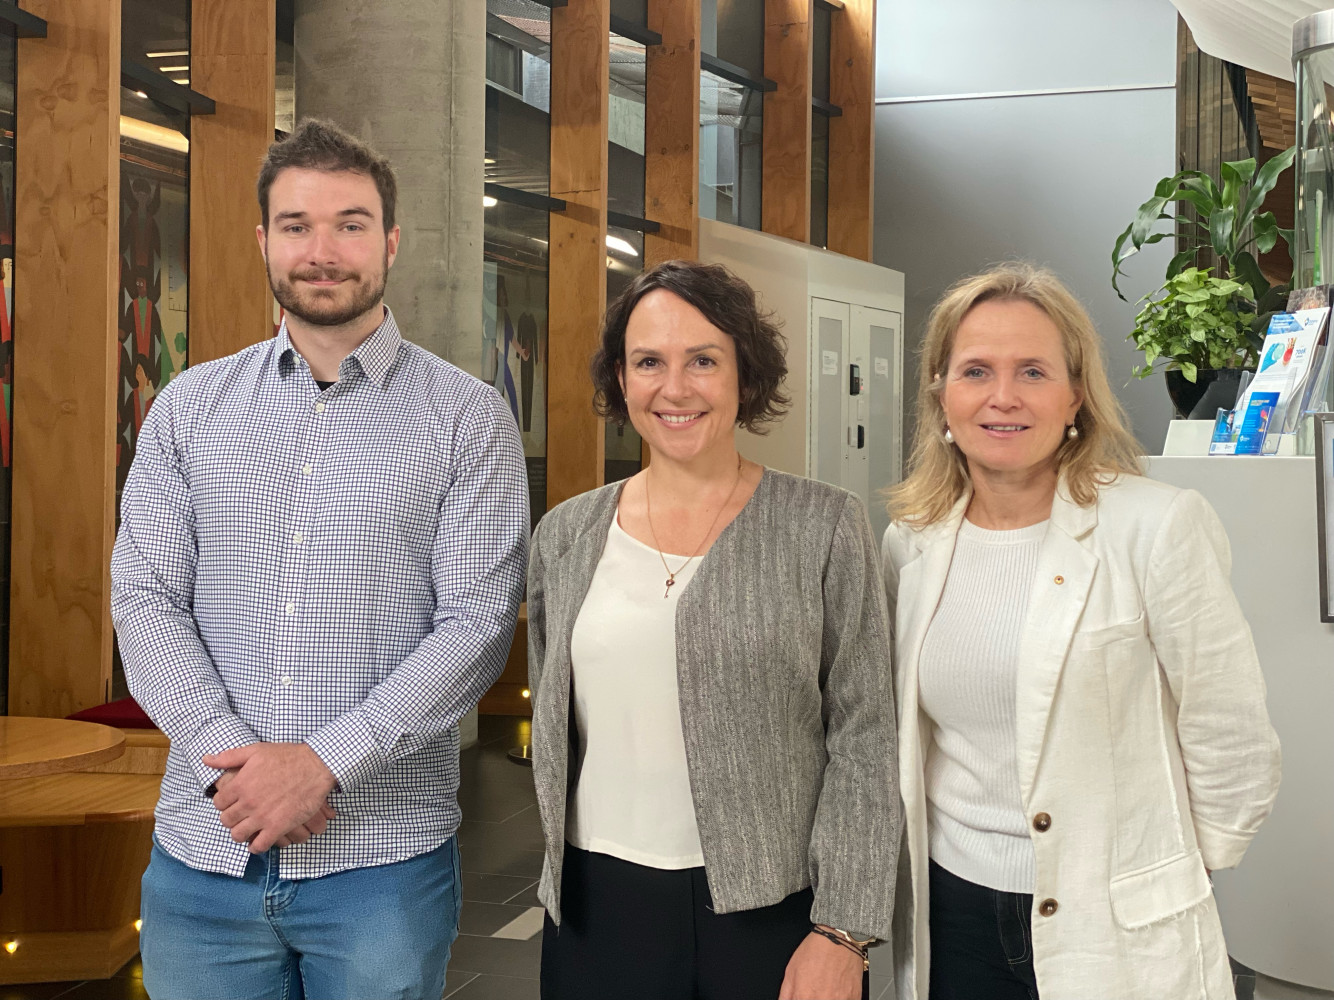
<point x="157" y="33"/>
<point x="730" y="133"/>
<point x="634" y="11"/>
<point x="625" y="262"/>
<point x="625" y="128"/>
<point x="284" y="69"/>
<point x="514" y="329"/>
<point x="819" y="179"/>
<point x="820" y="28"/>
<point x="8" y="76"/>
<point x="518" y="95"/>
<point x="733" y="30"/>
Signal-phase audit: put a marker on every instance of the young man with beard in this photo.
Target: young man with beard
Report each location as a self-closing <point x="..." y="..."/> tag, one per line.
<point x="320" y="560"/>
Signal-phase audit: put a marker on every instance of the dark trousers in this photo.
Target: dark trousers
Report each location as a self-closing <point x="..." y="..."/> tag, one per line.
<point x="628" y="931"/>
<point x="981" y="941"/>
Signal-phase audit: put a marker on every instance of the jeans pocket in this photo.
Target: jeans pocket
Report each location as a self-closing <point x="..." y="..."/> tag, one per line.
<point x="1012" y="925"/>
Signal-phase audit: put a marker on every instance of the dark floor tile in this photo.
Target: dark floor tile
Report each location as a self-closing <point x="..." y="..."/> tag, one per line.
<point x="37" y="991"/>
<point x="116" y="988"/>
<point x="526" y="898"/>
<point x="493" y="789"/>
<point x="493" y="888"/>
<point x="484" y="919"/>
<point x="455" y="981"/>
<point x="1244" y="986"/>
<point x="497" y="956"/>
<point x="133" y="969"/>
<point x="497" y="859"/>
<point x="499" y="988"/>
<point x="522" y="831"/>
<point x="509" y="730"/>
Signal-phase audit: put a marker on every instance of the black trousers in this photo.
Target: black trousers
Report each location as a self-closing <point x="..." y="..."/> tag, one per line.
<point x="628" y="931"/>
<point x="981" y="941"/>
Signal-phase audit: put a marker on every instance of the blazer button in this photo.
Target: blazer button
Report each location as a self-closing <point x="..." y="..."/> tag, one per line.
<point x="1042" y="822"/>
<point x="1060" y="580"/>
<point x="1047" y="907"/>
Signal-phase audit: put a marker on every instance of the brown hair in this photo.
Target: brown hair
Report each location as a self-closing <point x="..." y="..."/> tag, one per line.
<point x="1105" y="447"/>
<point x="322" y="145"/>
<point x="729" y="304"/>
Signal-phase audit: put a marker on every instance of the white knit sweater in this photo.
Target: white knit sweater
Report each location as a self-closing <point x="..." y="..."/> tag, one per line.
<point x="967" y="677"/>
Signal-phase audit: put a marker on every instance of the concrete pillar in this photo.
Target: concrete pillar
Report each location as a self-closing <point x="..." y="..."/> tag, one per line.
<point x="409" y="77"/>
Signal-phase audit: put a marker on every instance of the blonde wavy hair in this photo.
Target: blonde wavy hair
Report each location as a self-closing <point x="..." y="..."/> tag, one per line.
<point x="1105" y="447"/>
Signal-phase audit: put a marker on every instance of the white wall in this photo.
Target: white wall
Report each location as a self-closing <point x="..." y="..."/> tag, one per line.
<point x="1049" y="176"/>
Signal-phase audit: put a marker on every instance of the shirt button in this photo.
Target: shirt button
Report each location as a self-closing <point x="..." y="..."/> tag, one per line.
<point x="291" y="607"/>
<point x="1060" y="580"/>
<point x="319" y="407"/>
<point x="1042" y="822"/>
<point x="298" y="538"/>
<point x="287" y="681"/>
<point x="1047" y="907"/>
<point x="307" y="469"/>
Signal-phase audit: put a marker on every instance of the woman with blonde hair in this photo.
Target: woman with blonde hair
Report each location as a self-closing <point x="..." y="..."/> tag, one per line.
<point x="1082" y="727"/>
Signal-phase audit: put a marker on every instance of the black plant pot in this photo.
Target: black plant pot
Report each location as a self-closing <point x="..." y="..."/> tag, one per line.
<point x="1212" y="390"/>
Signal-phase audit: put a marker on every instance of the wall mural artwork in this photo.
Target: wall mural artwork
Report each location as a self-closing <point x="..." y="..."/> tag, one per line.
<point x="152" y="327"/>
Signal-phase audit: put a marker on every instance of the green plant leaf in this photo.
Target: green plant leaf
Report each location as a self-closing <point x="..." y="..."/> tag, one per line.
<point x="1221" y="231"/>
<point x="1245" y="267"/>
<point x="1145" y="219"/>
<point x="1179" y="261"/>
<point x="1188" y="369"/>
<point x="1264" y="183"/>
<point x="1235" y="175"/>
<point x="1266" y="232"/>
<point x="1118" y="257"/>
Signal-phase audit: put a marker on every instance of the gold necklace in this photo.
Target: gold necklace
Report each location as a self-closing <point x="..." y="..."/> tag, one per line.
<point x="671" y="574"/>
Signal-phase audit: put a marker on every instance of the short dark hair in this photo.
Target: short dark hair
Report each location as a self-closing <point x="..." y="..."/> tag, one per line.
<point x="729" y="304"/>
<point x="320" y="145"/>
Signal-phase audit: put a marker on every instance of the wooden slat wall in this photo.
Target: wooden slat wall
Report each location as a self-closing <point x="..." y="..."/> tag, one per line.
<point x="65" y="288"/>
<point x="232" y="61"/>
<point x="671" y="132"/>
<point x="852" y="135"/>
<point x="579" y="88"/>
<point x="786" y="186"/>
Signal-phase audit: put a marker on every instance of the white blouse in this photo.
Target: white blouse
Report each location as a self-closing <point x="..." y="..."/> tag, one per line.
<point x="632" y="795"/>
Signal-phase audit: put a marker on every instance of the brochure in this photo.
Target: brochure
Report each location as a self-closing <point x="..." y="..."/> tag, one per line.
<point x="1285" y="368"/>
<point x="1259" y="414"/>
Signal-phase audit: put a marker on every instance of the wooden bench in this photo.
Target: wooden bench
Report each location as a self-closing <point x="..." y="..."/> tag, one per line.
<point x="72" y="850"/>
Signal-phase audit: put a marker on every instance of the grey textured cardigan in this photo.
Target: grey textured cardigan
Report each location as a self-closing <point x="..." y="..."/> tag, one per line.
<point x="783" y="667"/>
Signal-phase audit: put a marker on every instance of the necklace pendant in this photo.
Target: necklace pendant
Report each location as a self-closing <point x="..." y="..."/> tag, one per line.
<point x="671" y="582"/>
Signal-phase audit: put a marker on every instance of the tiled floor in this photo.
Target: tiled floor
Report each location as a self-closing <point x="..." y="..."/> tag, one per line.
<point x="498" y="951"/>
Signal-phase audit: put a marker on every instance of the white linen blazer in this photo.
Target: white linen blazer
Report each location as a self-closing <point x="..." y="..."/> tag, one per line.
<point x="1142" y="735"/>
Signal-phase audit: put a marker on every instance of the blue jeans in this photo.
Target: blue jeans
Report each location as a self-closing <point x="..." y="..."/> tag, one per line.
<point x="382" y="932"/>
<point x="981" y="941"/>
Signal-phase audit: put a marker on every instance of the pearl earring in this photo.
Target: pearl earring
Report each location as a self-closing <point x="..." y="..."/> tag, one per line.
<point x="1072" y="432"/>
<point x="949" y="437"/>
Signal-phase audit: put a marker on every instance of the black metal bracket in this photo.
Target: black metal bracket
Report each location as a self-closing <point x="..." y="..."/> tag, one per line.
<point x="825" y="108"/>
<point x="24" y="25"/>
<point x="622" y="221"/>
<point x="527" y="199"/>
<point x="635" y="32"/>
<point x="734" y="73"/>
<point x="164" y="89"/>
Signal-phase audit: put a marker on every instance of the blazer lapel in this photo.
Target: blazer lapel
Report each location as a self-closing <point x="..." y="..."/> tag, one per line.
<point x="575" y="568"/>
<point x="1060" y="590"/>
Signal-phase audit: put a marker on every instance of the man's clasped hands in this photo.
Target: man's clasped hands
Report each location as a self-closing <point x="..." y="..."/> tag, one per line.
<point x="272" y="794"/>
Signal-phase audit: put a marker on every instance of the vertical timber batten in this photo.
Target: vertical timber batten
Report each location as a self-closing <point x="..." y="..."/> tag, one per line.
<point x="852" y="134"/>
<point x="232" y="61"/>
<point x="66" y="285"/>
<point x="786" y="185"/>
<point x="580" y="66"/>
<point x="671" y="132"/>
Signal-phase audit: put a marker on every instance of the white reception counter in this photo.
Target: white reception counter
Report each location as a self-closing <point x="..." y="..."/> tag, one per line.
<point x="1278" y="906"/>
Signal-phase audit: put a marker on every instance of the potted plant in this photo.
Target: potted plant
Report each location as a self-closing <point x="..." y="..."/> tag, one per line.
<point x="1206" y="328"/>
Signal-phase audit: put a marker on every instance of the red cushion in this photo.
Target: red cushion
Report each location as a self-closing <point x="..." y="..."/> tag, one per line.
<point x="123" y="713"/>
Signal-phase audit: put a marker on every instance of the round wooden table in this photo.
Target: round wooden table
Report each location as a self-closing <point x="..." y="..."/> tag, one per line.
<point x="31" y="747"/>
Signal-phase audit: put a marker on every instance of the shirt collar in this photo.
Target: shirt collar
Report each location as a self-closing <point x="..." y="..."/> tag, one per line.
<point x="374" y="355"/>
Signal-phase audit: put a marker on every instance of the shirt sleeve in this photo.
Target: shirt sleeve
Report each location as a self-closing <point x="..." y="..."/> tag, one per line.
<point x="478" y="561"/>
<point x="167" y="666"/>
<point x="855" y="839"/>
<point x="1204" y="647"/>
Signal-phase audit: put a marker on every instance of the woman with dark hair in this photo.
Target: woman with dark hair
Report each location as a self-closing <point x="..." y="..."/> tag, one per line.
<point x="713" y="736"/>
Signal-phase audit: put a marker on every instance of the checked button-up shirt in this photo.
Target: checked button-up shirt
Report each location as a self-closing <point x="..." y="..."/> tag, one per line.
<point x="340" y="567"/>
